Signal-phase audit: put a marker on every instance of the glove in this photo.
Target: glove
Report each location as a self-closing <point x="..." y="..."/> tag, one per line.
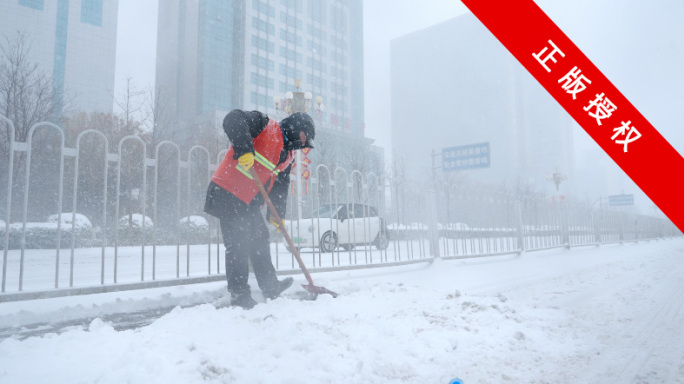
<point x="274" y="222"/>
<point x="246" y="161"/>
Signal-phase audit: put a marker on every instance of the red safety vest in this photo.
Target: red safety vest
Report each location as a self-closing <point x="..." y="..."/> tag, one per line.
<point x="267" y="147"/>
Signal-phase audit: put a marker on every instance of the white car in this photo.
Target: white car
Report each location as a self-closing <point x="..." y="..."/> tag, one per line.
<point x="345" y="225"/>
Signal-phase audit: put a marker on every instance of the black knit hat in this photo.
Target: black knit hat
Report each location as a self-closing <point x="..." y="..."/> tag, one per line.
<point x="293" y="125"/>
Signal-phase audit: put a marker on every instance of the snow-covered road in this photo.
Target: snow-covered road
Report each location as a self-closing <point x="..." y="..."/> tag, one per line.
<point x="612" y="314"/>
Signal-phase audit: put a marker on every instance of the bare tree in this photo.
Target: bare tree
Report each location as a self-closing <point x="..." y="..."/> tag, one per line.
<point x="27" y="96"/>
<point x="131" y="107"/>
<point x="159" y="109"/>
<point x="326" y="151"/>
<point x="350" y="153"/>
<point x="26" y="93"/>
<point x="92" y="162"/>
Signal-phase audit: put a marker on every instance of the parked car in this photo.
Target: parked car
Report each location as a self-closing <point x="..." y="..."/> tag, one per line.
<point x="344" y="225"/>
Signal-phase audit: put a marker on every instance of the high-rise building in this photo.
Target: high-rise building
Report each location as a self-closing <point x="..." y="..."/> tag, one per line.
<point x="73" y="42"/>
<point x="454" y="84"/>
<point x="217" y="55"/>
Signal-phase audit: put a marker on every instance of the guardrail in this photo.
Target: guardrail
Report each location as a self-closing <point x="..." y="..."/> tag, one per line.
<point x="133" y="218"/>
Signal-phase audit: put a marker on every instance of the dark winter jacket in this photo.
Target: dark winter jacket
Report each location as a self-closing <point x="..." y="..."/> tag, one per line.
<point x="242" y="127"/>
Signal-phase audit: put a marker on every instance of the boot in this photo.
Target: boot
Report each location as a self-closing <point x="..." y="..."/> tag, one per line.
<point x="243" y="300"/>
<point x="280" y="287"/>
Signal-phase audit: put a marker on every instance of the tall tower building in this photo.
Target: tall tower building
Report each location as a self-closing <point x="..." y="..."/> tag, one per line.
<point x="454" y="84"/>
<point x="73" y="41"/>
<point x="217" y="55"/>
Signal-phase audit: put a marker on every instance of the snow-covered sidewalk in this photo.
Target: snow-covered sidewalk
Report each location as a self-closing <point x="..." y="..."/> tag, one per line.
<point x="602" y="315"/>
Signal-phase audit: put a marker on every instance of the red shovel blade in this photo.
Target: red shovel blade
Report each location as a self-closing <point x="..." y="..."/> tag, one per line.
<point x="318" y="290"/>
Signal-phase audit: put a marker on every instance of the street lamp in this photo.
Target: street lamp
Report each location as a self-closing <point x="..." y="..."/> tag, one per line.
<point x="294" y="102"/>
<point x="558" y="178"/>
<point x="320" y="108"/>
<point x="298" y="101"/>
<point x="276" y="102"/>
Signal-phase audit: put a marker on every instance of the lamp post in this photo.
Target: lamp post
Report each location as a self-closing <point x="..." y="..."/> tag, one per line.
<point x="294" y="102"/>
<point x="298" y="101"/>
<point x="558" y="178"/>
<point x="276" y="103"/>
<point x="320" y="108"/>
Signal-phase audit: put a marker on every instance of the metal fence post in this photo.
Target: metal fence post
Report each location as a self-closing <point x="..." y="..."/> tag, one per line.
<point x="8" y="212"/>
<point x="521" y="237"/>
<point x="476" y="218"/>
<point x="432" y="223"/>
<point x="565" y="226"/>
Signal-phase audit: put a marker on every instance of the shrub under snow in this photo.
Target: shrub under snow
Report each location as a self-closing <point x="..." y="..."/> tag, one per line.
<point x="80" y="221"/>
<point x="131" y="230"/>
<point x="43" y="235"/>
<point x="194" y="229"/>
<point x="135" y="221"/>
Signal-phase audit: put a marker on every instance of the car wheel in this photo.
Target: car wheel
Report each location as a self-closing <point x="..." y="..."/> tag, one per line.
<point x="347" y="247"/>
<point x="381" y="241"/>
<point x="328" y="242"/>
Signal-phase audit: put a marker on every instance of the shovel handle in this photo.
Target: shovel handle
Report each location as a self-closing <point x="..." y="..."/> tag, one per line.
<point x="274" y="213"/>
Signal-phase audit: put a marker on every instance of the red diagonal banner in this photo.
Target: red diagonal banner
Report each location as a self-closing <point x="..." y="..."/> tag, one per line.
<point x="589" y="97"/>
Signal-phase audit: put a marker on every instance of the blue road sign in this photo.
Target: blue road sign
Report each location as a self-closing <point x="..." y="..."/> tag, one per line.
<point x="471" y="156"/>
<point x="619" y="200"/>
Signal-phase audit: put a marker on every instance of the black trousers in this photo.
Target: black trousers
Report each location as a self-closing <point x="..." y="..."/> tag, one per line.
<point x="246" y="238"/>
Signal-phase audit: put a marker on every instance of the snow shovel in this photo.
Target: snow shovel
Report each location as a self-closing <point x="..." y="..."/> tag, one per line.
<point x="311" y="288"/>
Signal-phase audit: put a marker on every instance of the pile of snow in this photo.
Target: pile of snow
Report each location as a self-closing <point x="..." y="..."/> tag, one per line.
<point x="43" y="235"/>
<point x="135" y="221"/>
<point x="194" y="229"/>
<point x="80" y="221"/>
<point x="609" y="314"/>
<point x="412" y="226"/>
<point x="454" y="226"/>
<point x="194" y="221"/>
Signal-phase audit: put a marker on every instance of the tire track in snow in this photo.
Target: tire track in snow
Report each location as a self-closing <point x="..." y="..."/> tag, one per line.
<point x="660" y="334"/>
<point x="647" y="289"/>
<point x="615" y="306"/>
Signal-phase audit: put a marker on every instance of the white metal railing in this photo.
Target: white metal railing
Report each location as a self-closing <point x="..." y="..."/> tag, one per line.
<point x="465" y="222"/>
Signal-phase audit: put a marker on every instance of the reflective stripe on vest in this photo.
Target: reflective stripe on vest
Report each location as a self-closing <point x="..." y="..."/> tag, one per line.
<point x="259" y="158"/>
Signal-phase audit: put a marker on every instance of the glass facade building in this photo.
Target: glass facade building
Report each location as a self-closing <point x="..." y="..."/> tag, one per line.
<point x="73" y="41"/>
<point x="221" y="55"/>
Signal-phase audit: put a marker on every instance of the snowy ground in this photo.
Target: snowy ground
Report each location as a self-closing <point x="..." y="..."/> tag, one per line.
<point x="612" y="314"/>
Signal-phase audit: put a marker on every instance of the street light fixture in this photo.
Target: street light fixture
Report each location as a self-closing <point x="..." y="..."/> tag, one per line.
<point x="276" y="102"/>
<point x="320" y="108"/>
<point x="297" y="101"/>
<point x="558" y="178"/>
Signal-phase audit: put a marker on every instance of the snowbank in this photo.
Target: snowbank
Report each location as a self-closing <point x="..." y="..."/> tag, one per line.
<point x="80" y="221"/>
<point x="603" y="315"/>
<point x="194" y="221"/>
<point x="135" y="220"/>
